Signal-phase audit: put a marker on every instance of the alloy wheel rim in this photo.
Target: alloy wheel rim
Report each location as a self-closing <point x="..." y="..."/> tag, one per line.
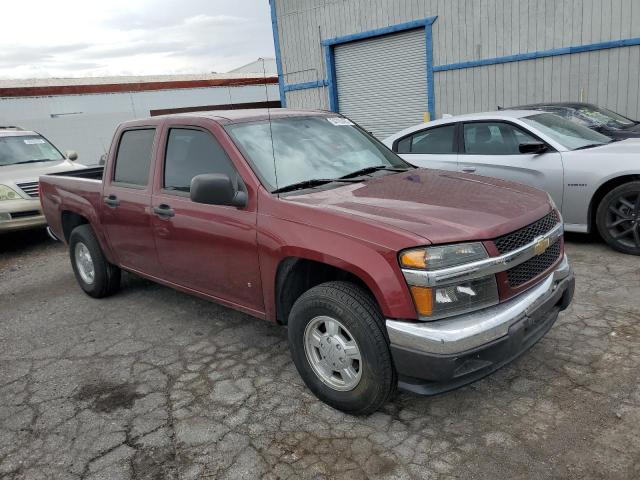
<point x="623" y="219"/>
<point x="333" y="353"/>
<point x="84" y="262"/>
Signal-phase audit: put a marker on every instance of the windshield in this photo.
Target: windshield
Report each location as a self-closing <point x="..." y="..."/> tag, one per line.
<point x="309" y="148"/>
<point x="26" y="149"/>
<point x="601" y="116"/>
<point x="569" y="134"/>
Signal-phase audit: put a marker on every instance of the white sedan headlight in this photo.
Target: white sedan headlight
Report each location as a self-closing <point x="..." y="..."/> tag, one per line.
<point x="7" y="193"/>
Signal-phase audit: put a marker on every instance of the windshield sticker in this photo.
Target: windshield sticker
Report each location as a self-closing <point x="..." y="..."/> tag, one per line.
<point x="33" y="141"/>
<point x="340" y="121"/>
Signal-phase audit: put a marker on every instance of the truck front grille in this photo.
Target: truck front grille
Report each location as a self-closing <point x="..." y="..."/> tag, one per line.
<point x="30" y="188"/>
<point x="517" y="239"/>
<point x="533" y="267"/>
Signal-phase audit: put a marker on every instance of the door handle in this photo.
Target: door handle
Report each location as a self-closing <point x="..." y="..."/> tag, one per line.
<point x="112" y="201"/>
<point x="164" y="210"/>
<point x="468" y="169"/>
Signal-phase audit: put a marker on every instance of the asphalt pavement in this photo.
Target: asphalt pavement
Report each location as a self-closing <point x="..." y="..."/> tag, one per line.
<point x="155" y="384"/>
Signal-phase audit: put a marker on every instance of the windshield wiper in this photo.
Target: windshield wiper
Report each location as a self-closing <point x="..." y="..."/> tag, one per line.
<point x="364" y="171"/>
<point x="590" y="145"/>
<point x="314" y="182"/>
<point x="32" y="161"/>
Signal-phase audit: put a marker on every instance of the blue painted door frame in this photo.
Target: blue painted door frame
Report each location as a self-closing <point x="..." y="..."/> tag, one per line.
<point x="329" y="57"/>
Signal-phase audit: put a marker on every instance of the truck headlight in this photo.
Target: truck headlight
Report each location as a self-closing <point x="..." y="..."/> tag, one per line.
<point x="447" y="300"/>
<point x="434" y="258"/>
<point x="433" y="303"/>
<point x="7" y="193"/>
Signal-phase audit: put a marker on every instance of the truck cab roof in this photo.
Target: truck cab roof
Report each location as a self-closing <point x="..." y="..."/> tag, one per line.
<point x="225" y="117"/>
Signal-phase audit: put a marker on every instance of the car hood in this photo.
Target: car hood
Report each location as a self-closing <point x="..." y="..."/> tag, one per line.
<point x="629" y="145"/>
<point x="439" y="206"/>
<point x="30" y="172"/>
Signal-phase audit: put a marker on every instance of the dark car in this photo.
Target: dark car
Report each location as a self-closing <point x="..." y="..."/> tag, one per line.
<point x="600" y="119"/>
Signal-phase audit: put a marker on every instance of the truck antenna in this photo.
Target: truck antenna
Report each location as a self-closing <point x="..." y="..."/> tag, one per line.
<point x="273" y="150"/>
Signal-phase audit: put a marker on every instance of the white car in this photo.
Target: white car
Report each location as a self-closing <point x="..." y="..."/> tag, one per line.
<point x="593" y="179"/>
<point x="24" y="156"/>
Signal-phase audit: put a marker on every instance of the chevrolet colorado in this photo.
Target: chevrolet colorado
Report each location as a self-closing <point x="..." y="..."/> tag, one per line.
<point x="385" y="275"/>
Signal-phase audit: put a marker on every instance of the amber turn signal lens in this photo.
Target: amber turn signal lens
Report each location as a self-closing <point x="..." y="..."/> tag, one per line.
<point x="423" y="298"/>
<point x="414" y="258"/>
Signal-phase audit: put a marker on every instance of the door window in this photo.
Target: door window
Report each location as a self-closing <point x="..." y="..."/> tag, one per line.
<point x="494" y="138"/>
<point x="190" y="153"/>
<point x="134" y="157"/>
<point x="439" y="140"/>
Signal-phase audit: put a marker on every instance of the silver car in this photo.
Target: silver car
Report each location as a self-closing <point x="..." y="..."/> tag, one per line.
<point x="24" y="156"/>
<point x="593" y="179"/>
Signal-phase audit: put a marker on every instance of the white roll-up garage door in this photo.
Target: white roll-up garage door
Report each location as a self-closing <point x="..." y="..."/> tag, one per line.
<point x="382" y="81"/>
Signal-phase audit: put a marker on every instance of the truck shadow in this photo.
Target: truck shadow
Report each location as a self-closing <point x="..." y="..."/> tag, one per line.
<point x="23" y="241"/>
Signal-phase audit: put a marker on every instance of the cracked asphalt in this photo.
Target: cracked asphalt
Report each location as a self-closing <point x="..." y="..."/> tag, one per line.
<point x="155" y="384"/>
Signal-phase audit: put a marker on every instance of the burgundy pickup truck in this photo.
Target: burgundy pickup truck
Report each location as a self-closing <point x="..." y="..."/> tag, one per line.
<point x="385" y="275"/>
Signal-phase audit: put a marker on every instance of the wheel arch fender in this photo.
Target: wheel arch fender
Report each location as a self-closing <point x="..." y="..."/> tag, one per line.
<point x="606" y="185"/>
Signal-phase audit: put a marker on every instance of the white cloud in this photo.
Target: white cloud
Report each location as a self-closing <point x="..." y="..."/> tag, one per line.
<point x="120" y="37"/>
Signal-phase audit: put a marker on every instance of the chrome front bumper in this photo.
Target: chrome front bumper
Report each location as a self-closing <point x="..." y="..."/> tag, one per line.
<point x="466" y="332"/>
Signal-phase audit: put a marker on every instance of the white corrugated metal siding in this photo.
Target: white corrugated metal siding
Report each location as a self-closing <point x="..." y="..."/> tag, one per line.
<point x="382" y="82"/>
<point x="469" y="30"/>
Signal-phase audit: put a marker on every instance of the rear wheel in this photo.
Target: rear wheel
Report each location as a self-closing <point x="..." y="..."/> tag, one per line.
<point x="97" y="277"/>
<point x="338" y="345"/>
<point x="618" y="218"/>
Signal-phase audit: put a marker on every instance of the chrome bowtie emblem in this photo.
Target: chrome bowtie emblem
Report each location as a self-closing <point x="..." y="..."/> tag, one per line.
<point x="541" y="246"/>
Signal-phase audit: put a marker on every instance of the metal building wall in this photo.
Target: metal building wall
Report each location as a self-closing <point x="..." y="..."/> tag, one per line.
<point x="472" y="30"/>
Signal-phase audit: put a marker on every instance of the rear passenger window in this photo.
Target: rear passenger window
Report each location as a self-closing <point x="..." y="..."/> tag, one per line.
<point x="134" y="157"/>
<point x="440" y="140"/>
<point x="191" y="153"/>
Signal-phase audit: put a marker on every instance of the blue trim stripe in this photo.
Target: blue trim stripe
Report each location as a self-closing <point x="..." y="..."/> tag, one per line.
<point x="592" y="47"/>
<point x="331" y="77"/>
<point x="276" y="44"/>
<point x="431" y="97"/>
<point x="292" y="87"/>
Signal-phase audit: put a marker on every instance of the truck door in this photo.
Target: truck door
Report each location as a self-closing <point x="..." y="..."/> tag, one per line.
<point x="208" y="248"/>
<point x="492" y="149"/>
<point x="125" y="211"/>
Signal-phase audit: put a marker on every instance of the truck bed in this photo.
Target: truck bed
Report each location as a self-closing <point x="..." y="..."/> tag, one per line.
<point x="77" y="191"/>
<point x="94" y="173"/>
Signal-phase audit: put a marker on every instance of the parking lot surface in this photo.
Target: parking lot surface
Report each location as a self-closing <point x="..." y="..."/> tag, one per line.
<point x="155" y="384"/>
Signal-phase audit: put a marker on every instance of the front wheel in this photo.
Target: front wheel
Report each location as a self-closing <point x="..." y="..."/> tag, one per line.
<point x="338" y="346"/>
<point x="618" y="218"/>
<point x="97" y="277"/>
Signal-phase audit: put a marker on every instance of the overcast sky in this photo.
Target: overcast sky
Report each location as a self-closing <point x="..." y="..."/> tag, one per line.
<point x="75" y="38"/>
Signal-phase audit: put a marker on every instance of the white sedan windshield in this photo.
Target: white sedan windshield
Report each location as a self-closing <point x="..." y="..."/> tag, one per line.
<point x="571" y="135"/>
<point x="286" y="151"/>
<point x="26" y="149"/>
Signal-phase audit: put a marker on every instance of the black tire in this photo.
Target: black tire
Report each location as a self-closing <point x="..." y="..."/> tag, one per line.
<point x="611" y="214"/>
<point x="353" y="307"/>
<point x="106" y="276"/>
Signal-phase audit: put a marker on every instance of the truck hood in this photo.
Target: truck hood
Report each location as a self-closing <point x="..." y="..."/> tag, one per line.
<point x="439" y="206"/>
<point x="30" y="172"/>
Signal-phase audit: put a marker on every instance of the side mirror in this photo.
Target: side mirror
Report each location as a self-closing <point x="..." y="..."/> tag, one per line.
<point x="71" y="155"/>
<point x="216" y="189"/>
<point x="533" y="148"/>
